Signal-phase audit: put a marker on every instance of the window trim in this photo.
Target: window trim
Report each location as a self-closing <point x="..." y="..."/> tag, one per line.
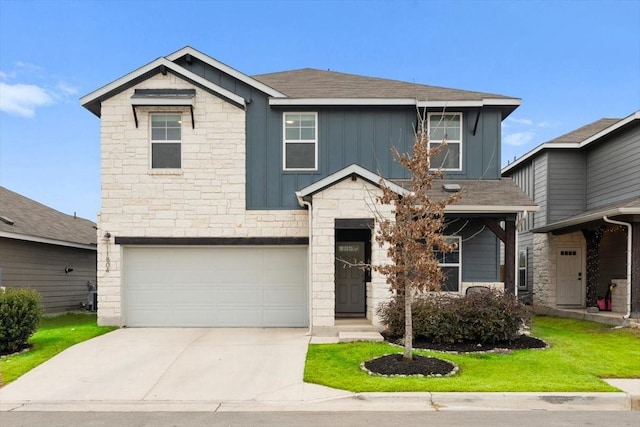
<point x="301" y="141"/>
<point x="458" y="264"/>
<point x="164" y="141"/>
<point x="523" y="268"/>
<point x="439" y="141"/>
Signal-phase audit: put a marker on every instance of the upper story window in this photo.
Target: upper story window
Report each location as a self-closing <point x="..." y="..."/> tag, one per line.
<point x="446" y="127"/>
<point x="449" y="263"/>
<point x="166" y="141"/>
<point x="300" y="151"/>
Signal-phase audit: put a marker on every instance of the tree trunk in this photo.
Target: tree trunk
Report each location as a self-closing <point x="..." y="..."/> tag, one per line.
<point x="408" y="325"/>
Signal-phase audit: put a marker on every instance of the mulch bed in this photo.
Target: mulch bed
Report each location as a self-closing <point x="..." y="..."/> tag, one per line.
<point x="395" y="365"/>
<point x="523" y="342"/>
<point x="21" y="349"/>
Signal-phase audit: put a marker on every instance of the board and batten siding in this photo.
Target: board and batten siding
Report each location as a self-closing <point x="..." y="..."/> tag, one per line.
<point x="566" y="184"/>
<point x="540" y="189"/>
<point x="41" y="267"/>
<point x="346" y="135"/>
<point x="480" y="252"/>
<point x="524" y="178"/>
<point x="613" y="168"/>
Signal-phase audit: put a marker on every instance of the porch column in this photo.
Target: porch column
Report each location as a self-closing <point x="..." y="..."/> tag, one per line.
<point x="593" y="238"/>
<point x="635" y="268"/>
<point x="508" y="237"/>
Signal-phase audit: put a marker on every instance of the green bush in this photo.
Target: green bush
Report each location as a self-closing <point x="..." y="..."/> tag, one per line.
<point x="20" y="313"/>
<point x="489" y="316"/>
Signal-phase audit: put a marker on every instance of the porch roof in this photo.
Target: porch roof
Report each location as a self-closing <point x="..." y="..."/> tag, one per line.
<point x="625" y="207"/>
<point x="501" y="196"/>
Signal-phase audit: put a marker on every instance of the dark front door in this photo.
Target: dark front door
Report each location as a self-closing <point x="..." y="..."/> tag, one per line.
<point x="350" y="278"/>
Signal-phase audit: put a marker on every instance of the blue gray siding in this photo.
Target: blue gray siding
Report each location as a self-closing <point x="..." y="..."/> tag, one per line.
<point x="614" y="168"/>
<point x="480" y="253"/>
<point x="362" y="135"/>
<point x="525" y="179"/>
<point x="525" y="242"/>
<point x="41" y="267"/>
<point x="566" y="185"/>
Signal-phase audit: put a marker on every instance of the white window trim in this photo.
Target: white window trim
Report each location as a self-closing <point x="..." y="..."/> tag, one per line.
<point x="305" y="141"/>
<point x="525" y="268"/>
<point x="458" y="264"/>
<point x="448" y="140"/>
<point x="163" y="141"/>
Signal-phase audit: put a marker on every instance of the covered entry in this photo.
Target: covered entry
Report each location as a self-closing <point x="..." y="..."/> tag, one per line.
<point x="352" y="258"/>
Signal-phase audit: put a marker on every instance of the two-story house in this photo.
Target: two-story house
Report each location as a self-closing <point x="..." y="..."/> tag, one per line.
<point x="230" y="200"/>
<point x="586" y="235"/>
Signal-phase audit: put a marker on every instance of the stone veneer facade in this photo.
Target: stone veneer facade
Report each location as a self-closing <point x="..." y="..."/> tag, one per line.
<point x="346" y="199"/>
<point x="205" y="198"/>
<point x="545" y="255"/>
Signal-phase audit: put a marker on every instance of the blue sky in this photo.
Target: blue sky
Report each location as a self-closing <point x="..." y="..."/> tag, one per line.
<point x="571" y="62"/>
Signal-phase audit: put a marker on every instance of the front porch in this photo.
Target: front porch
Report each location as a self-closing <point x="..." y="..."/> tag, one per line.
<point x="605" y="317"/>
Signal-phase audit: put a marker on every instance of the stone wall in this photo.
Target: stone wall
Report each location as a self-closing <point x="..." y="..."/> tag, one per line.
<point x="204" y="198"/>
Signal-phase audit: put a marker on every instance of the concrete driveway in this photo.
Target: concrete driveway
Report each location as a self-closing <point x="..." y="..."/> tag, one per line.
<point x="177" y="365"/>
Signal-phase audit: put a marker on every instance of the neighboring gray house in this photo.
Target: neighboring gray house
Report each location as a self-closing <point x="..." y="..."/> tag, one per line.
<point x="230" y="200"/>
<point x="48" y="251"/>
<point x="586" y="235"/>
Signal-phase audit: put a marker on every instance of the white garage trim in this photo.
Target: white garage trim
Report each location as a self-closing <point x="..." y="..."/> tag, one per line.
<point x="225" y="286"/>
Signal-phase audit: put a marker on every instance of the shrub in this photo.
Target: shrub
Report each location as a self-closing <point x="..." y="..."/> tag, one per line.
<point x="20" y="313"/>
<point x="480" y="317"/>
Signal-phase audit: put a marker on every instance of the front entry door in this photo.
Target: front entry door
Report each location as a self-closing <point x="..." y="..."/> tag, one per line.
<point x="350" y="284"/>
<point x="569" y="278"/>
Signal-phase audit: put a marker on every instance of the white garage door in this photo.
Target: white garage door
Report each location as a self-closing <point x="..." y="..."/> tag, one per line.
<point x="221" y="286"/>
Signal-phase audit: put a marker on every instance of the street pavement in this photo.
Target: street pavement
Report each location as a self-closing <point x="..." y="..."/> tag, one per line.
<point x="239" y="370"/>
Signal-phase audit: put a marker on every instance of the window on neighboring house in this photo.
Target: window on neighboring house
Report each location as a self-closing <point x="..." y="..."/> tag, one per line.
<point x="166" y="141"/>
<point x="300" y="141"/>
<point x="522" y="268"/>
<point x="446" y="128"/>
<point x="449" y="263"/>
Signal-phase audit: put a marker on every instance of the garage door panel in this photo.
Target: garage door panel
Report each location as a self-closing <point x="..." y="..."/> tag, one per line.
<point x="221" y="286"/>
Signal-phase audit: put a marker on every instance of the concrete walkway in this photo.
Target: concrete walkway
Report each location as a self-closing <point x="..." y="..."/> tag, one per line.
<point x="237" y="370"/>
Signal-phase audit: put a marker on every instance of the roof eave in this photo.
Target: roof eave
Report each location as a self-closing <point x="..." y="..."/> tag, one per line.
<point x="46" y="240"/>
<point x="93" y="100"/>
<point x="586" y="218"/>
<point x="188" y="50"/>
<point x="478" y="209"/>
<point x="512" y="103"/>
<point x="576" y="145"/>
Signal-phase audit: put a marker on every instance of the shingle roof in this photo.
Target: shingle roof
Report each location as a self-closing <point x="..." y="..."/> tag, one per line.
<point x="585" y="132"/>
<point x="313" y="83"/>
<point x="34" y="219"/>
<point x="491" y="192"/>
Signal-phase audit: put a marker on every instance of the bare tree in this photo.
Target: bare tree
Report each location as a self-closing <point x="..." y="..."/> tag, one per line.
<point x="415" y="231"/>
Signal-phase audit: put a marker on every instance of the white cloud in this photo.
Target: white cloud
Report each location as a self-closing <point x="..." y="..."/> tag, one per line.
<point x="67" y="89"/>
<point x="518" y="139"/>
<point x="527" y="122"/>
<point x="22" y="99"/>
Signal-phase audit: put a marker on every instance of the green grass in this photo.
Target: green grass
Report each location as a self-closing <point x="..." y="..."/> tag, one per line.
<point x="581" y="353"/>
<point x="54" y="335"/>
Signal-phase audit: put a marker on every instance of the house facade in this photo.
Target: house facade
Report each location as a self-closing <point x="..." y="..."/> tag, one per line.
<point x="47" y="250"/>
<point x="586" y="236"/>
<point x="230" y="200"/>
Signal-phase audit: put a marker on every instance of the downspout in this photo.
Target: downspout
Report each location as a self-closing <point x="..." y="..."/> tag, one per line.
<point x="517" y="257"/>
<point x="629" y="229"/>
<point x="302" y="202"/>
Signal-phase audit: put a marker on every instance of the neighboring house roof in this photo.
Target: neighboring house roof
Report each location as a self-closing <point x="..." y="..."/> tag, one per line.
<point x="625" y="207"/>
<point x="307" y="87"/>
<point x="478" y="196"/>
<point x="576" y="139"/>
<point x="24" y="219"/>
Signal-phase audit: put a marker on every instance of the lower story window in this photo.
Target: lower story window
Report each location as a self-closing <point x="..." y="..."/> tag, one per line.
<point x="449" y="263"/>
<point x="522" y="268"/>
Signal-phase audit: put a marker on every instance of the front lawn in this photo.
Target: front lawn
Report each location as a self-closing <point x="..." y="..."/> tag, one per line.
<point x="54" y="335"/>
<point x="581" y="353"/>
